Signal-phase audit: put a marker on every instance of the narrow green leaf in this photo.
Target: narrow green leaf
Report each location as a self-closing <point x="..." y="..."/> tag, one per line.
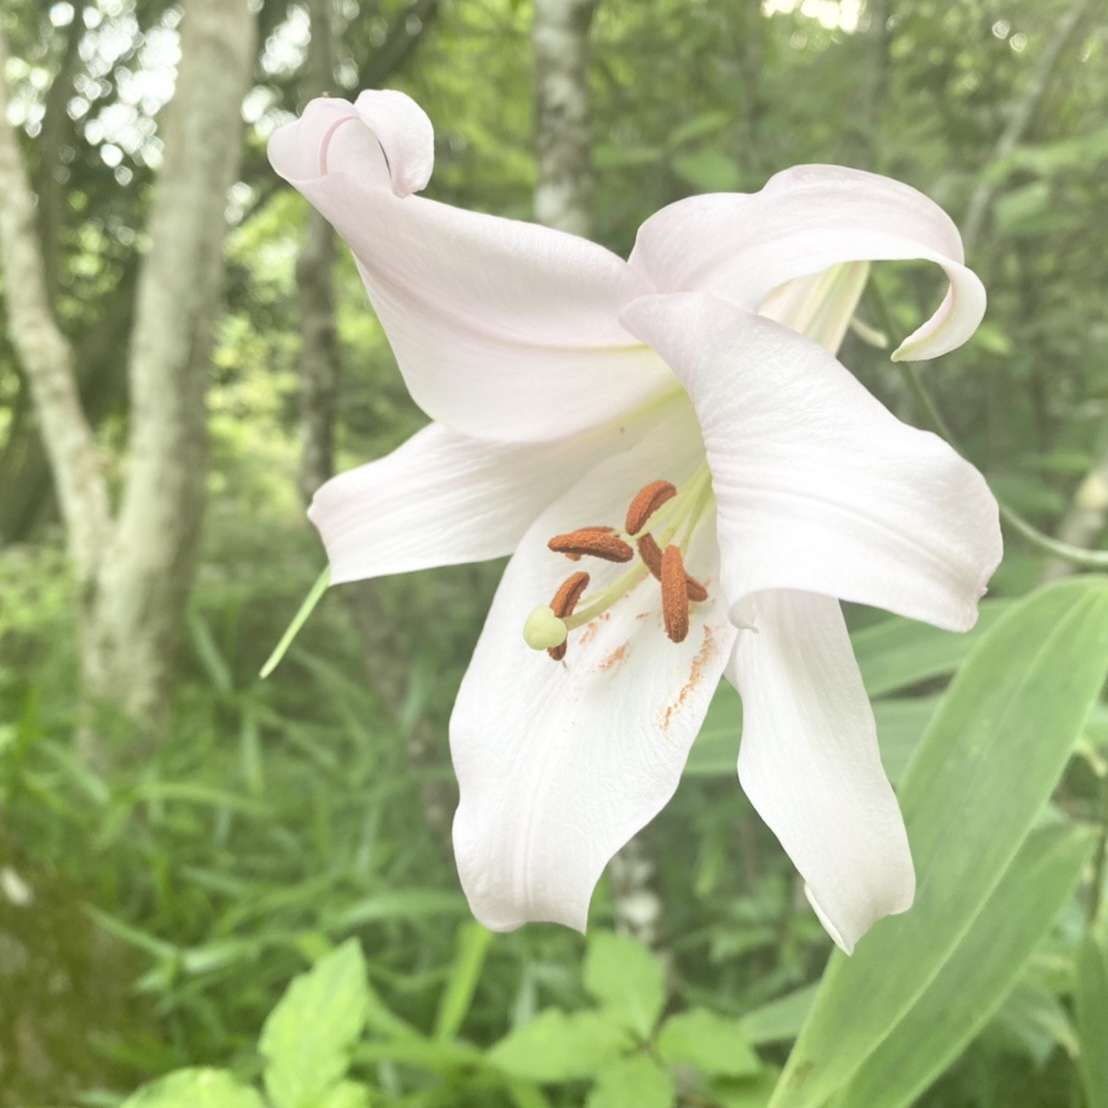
<point x="195" y="1088"/>
<point x="974" y="981"/>
<point x="711" y="1043"/>
<point x="141" y="939"/>
<point x="404" y="904"/>
<point x="1035" y="1020"/>
<point x="213" y="662"/>
<point x="420" y="1053"/>
<point x="559" y="1047"/>
<point x="901" y="722"/>
<point x="626" y="979"/>
<point x="635" y="1082"/>
<point x="1092" y="1020"/>
<point x="779" y="1019"/>
<point x="308" y="1037"/>
<point x="193" y="792"/>
<point x="472" y="946"/>
<point x="986" y="767"/>
<point x="897" y="653"/>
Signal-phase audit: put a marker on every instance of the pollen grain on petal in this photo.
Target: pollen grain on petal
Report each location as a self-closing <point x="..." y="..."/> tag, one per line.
<point x="594" y="541"/>
<point x="646" y="502"/>
<point x="675" y="598"/>
<point x="696" y="675"/>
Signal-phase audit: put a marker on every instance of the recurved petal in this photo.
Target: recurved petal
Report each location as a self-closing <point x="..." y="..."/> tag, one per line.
<point x="742" y="246"/>
<point x="810" y="764"/>
<point x="818" y="486"/>
<point x="443" y="498"/>
<point x="502" y="329"/>
<point x="560" y="763"/>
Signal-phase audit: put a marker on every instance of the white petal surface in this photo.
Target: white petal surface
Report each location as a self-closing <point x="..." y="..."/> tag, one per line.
<point x="818" y="486"/>
<point x="502" y="329"/>
<point x="743" y="246"/>
<point x="810" y="764"/>
<point x="559" y="764"/>
<point x="443" y="498"/>
<point x="821" y="306"/>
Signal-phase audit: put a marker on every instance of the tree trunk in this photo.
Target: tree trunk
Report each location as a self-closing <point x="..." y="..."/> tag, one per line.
<point x="135" y="614"/>
<point x="560" y="36"/>
<point x="561" y="43"/>
<point x="134" y="571"/>
<point x="48" y="360"/>
<point x="319" y="354"/>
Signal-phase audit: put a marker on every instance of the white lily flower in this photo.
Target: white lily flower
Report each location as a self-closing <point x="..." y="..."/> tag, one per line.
<point x="561" y="380"/>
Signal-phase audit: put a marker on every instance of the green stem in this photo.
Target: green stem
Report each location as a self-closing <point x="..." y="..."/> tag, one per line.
<point x="1078" y="556"/>
<point x="298" y="621"/>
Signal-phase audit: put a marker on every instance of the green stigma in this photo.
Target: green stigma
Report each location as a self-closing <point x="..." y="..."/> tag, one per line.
<point x="544" y="629"/>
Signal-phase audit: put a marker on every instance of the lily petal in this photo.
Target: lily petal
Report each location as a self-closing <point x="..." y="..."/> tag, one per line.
<point x="821" y="306"/>
<point x="559" y="764"/>
<point x="502" y="329"/>
<point x="742" y="246"/>
<point x="443" y="498"/>
<point x="818" y="486"/>
<point x="810" y="764"/>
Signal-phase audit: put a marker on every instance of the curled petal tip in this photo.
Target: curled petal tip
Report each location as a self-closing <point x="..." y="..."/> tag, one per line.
<point x="405" y="133"/>
<point x="396" y="138"/>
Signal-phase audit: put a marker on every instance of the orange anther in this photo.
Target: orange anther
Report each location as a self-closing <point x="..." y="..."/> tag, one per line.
<point x="675" y="598"/>
<point x="652" y="556"/>
<point x="597" y="542"/>
<point x="565" y="600"/>
<point x="646" y="502"/>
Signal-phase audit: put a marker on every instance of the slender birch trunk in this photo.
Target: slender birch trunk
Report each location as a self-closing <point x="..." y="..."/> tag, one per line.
<point x="147" y="571"/>
<point x="134" y="567"/>
<point x="561" y="42"/>
<point x="48" y="360"/>
<point x="563" y="188"/>
<point x="319" y="354"/>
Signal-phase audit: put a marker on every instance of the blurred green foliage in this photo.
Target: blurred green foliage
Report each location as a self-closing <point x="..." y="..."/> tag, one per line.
<point x="151" y="920"/>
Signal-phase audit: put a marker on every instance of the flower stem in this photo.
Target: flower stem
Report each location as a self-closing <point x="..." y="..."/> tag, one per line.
<point x="1076" y="555"/>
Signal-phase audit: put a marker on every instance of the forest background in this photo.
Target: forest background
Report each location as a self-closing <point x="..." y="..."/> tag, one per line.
<point x="186" y="353"/>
